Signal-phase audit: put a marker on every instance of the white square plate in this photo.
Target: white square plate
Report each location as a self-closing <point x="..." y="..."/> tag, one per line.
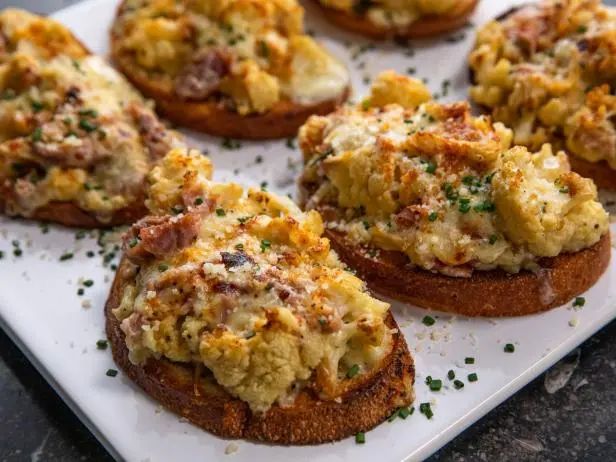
<point x="58" y="330"/>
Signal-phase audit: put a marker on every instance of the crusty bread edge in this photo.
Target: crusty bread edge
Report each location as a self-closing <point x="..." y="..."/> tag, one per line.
<point x="486" y="293"/>
<point x="425" y="27"/>
<point x="308" y="421"/>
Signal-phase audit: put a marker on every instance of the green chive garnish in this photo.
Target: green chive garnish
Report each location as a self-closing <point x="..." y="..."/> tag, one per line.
<point x="428" y="320"/>
<point x="509" y="348"/>
<point x="352" y="372"/>
<point x="472" y="377"/>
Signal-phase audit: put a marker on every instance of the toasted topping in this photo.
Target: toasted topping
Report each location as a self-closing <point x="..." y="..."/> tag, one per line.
<point x="443" y="187"/>
<point x="249" y="54"/>
<point x="254" y="294"/>
<point x="392" y="14"/>
<point x="545" y="71"/>
<point x="72" y="129"/>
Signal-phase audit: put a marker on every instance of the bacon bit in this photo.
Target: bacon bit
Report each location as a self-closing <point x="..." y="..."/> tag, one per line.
<point x="202" y="76"/>
<point x="411" y="215"/>
<point x="231" y="260"/>
<point x="160" y="236"/>
<point x="157" y="139"/>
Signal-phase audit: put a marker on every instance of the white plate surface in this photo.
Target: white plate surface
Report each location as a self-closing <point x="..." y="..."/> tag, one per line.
<point x="58" y="330"/>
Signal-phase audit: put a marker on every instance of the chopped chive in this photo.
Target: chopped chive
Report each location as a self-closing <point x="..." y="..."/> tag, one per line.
<point x="492" y="239"/>
<point x="472" y="377"/>
<point x="87" y="126"/>
<point x="220" y="212"/>
<point x="265" y="244"/>
<point x="458" y="384"/>
<point x="88" y="112"/>
<point x="111" y="373"/>
<point x="66" y="256"/>
<point x="88" y="283"/>
<point x="80" y="291"/>
<point x="426" y="410"/>
<point x="198" y="201"/>
<point x="17" y="252"/>
<point x="353" y="371"/>
<point x="37" y="134"/>
<point x="133" y="242"/>
<point x="509" y="348"/>
<point x="101" y="344"/>
<point x="579" y="301"/>
<point x="239" y="246"/>
<point x="436" y="385"/>
<point x="163" y="267"/>
<point x="431" y="168"/>
<point x="428" y="320"/>
<point x="451" y="374"/>
<point x="404" y="412"/>
<point x="428" y="380"/>
<point x="90" y="254"/>
<point x="360" y="438"/>
<point x="465" y="205"/>
<point x="433" y="216"/>
<point x="469" y="360"/>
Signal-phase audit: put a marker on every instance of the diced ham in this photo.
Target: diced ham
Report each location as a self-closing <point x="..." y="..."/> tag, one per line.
<point x="160" y="236"/>
<point x="155" y="136"/>
<point x="202" y="76"/>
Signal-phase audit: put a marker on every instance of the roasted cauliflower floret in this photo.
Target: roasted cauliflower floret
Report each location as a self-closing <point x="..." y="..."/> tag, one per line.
<point x="393" y="88"/>
<point x="543" y="205"/>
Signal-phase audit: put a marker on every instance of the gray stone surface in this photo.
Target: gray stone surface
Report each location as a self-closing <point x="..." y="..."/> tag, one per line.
<point x="576" y="422"/>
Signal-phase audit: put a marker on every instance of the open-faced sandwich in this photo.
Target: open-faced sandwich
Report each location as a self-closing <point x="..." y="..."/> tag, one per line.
<point x="400" y="19"/>
<point x="548" y="71"/>
<point x="234" y="68"/>
<point x="230" y="309"/>
<point x="76" y="140"/>
<point x="431" y="205"/>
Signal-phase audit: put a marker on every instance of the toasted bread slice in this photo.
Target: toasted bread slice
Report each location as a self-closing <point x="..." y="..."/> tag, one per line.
<point x="77" y="165"/>
<point x="485" y="293"/>
<point x="214" y="117"/>
<point x="196" y="396"/>
<point x="427" y="26"/>
<point x="69" y="214"/>
<point x="282" y="121"/>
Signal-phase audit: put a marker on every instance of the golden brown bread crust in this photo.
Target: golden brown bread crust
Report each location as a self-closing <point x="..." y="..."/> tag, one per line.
<point x="485" y="293"/>
<point x="69" y="214"/>
<point x="308" y="421"/>
<point x="428" y="26"/>
<point x="282" y="121"/>
<point x="602" y="174"/>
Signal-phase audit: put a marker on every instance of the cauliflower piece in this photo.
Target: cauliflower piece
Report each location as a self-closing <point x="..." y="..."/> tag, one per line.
<point x="544" y="206"/>
<point x="393" y="88"/>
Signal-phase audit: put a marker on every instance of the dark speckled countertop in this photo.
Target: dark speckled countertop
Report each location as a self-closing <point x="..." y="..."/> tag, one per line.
<point x="577" y="422"/>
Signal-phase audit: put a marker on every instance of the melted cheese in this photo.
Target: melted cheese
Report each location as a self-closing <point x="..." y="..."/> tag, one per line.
<point x="442" y="186"/>
<point x="258" y="298"/>
<point x="545" y="70"/>
<point x="40" y="67"/>
<point x="272" y="59"/>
